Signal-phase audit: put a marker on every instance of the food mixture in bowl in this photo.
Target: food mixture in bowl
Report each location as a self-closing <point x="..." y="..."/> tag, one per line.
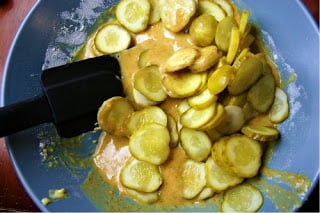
<point x="202" y="103"/>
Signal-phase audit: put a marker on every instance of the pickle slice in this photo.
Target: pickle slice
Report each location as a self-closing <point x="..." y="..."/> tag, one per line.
<point x="141" y="100"/>
<point x="219" y="178"/>
<point x="134" y="14"/>
<point x="248" y="73"/>
<point x="216" y="119"/>
<point x="261" y="94"/>
<point x="232" y="121"/>
<point x="148" y="82"/>
<point x="211" y="8"/>
<point x="141" y="176"/>
<point x="181" y="59"/>
<point x="260" y="133"/>
<point x="234" y="44"/>
<point x="219" y="79"/>
<point x="173" y="130"/>
<point x="113" y="115"/>
<point x="280" y="108"/>
<point x="183" y="106"/>
<point x="148" y="115"/>
<point x="155" y="12"/>
<point x="112" y="38"/>
<point x="206" y="193"/>
<point x="183" y="84"/>
<point x="176" y="14"/>
<point x="202" y="100"/>
<point x="194" y="118"/>
<point x="242" y="198"/>
<point x="194" y="178"/>
<point x="143" y="197"/>
<point x="243" y="155"/>
<point x="226" y="6"/>
<point x="223" y="33"/>
<point x="196" y="144"/>
<point x="209" y="56"/>
<point x="150" y="143"/>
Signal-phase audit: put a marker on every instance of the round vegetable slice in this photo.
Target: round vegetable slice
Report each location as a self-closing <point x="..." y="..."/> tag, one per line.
<point x="223" y="33"/>
<point x="280" y="108"/>
<point x="219" y="178"/>
<point x="150" y="143"/>
<point x="148" y="81"/>
<point x="261" y="94"/>
<point x="141" y="176"/>
<point x="113" y="115"/>
<point x="173" y="130"/>
<point x="216" y="119"/>
<point x="219" y="79"/>
<point x="176" y="14"/>
<point x="194" y="118"/>
<point x="112" y="38"/>
<point x="143" y="197"/>
<point x="203" y="30"/>
<point x="183" y="84"/>
<point x="181" y="59"/>
<point x="134" y="14"/>
<point x="148" y="115"/>
<point x="142" y="100"/>
<point x="226" y="6"/>
<point x="242" y="198"/>
<point x="202" y="100"/>
<point x="260" y="133"/>
<point x="195" y="143"/>
<point x="194" y="178"/>
<point x="211" y="8"/>
<point x="234" y="44"/>
<point x="232" y="121"/>
<point x="248" y="73"/>
<point x="209" y="56"/>
<point x="207" y="192"/>
<point x="243" y="155"/>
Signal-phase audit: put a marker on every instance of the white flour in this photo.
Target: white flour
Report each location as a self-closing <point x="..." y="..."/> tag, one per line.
<point x="72" y="32"/>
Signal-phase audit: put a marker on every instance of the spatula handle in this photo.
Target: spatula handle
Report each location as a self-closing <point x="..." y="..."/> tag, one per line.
<point x="25" y="114"/>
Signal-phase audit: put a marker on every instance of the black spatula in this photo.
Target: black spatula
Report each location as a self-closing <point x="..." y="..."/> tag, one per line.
<point x="72" y="95"/>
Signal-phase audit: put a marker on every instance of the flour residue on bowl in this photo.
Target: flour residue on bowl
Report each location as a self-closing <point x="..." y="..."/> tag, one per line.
<point x="72" y="31"/>
<point x="289" y="76"/>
